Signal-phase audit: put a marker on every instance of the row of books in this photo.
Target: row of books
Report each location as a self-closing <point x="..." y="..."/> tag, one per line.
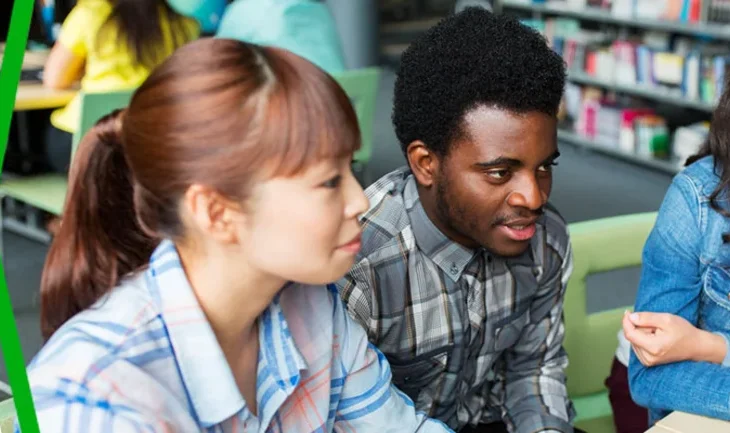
<point x="684" y="11"/>
<point x="628" y="129"/>
<point x="685" y="68"/>
<point x="698" y="74"/>
<point x="631" y="127"/>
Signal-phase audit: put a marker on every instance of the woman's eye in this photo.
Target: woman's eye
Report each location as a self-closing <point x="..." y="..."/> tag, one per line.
<point x="333" y="183"/>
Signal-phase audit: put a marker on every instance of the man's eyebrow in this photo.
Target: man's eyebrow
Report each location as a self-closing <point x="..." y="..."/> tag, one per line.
<point x="512" y="162"/>
<point x="500" y="161"/>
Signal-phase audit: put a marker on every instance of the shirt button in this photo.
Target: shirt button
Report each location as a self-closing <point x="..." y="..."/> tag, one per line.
<point x="454" y="270"/>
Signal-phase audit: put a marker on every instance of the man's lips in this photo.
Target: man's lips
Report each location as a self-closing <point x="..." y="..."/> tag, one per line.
<point x="519" y="230"/>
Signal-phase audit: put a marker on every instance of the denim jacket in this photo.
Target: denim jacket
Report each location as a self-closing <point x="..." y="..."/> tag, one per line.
<point x="686" y="271"/>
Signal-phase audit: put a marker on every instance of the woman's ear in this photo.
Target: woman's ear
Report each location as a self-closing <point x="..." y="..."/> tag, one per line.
<point x="212" y="214"/>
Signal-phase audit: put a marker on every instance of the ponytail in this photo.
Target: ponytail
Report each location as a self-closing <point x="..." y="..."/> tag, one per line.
<point x="100" y="240"/>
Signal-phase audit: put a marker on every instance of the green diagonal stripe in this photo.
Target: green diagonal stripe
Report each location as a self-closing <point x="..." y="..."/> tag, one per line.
<point x="9" y="340"/>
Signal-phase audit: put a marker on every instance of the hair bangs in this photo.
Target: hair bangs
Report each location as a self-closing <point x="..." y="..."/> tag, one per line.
<point x="309" y="127"/>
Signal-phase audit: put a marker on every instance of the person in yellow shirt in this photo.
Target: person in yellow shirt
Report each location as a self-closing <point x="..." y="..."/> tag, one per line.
<point x="109" y="45"/>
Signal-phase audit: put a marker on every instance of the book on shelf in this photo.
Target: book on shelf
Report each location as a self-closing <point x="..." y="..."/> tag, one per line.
<point x="631" y="128"/>
<point x="680" y="11"/>
<point x="608" y="67"/>
<point x="689" y="139"/>
<point x="687" y="69"/>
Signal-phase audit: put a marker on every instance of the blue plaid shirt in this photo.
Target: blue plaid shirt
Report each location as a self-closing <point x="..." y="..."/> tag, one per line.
<point x="145" y="359"/>
<point x="472" y="337"/>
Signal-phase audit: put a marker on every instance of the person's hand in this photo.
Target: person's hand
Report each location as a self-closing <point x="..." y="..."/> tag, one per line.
<point x="661" y="338"/>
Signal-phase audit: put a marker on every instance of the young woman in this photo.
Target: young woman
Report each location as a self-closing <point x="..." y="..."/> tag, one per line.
<point x="187" y="289"/>
<point x="109" y="45"/>
<point x="679" y="333"/>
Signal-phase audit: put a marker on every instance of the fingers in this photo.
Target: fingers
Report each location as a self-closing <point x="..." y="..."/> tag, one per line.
<point x="638" y="337"/>
<point x="627" y="324"/>
<point x="650" y="320"/>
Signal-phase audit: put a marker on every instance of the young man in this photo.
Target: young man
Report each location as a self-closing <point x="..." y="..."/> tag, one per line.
<point x="463" y="268"/>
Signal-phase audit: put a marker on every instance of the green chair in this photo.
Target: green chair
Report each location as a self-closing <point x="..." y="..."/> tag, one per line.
<point x="7" y="416"/>
<point x="361" y="85"/>
<point x="94" y="106"/>
<point x="590" y="339"/>
<point x="47" y="192"/>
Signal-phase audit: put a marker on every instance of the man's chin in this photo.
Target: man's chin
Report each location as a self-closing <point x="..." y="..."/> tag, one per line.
<point x="508" y="248"/>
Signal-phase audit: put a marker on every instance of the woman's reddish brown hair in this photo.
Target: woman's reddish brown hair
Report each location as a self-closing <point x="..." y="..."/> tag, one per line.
<point x="218" y="112"/>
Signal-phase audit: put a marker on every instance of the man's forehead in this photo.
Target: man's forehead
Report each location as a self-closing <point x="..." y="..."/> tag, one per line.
<point x="490" y="132"/>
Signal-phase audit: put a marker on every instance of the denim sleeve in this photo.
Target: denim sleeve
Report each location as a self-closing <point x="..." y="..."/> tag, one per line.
<point x="671" y="283"/>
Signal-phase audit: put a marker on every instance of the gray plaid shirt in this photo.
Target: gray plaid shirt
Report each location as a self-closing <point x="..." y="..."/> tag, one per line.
<point x="470" y="337"/>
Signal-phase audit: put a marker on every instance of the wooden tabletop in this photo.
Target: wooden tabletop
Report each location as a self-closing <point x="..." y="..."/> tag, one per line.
<point x="31" y="59"/>
<point x="680" y="422"/>
<point x="35" y="59"/>
<point x="33" y="96"/>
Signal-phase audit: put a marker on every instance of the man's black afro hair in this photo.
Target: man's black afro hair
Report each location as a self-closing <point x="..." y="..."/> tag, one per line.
<point x="471" y="59"/>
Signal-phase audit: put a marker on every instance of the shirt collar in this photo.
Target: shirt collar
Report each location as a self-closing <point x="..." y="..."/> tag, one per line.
<point x="448" y="255"/>
<point x="207" y="377"/>
<point x="280" y="362"/>
<point x="278" y="351"/>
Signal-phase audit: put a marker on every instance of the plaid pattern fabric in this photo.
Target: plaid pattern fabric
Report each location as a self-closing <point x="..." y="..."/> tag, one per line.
<point x="145" y="359"/>
<point x="471" y="337"/>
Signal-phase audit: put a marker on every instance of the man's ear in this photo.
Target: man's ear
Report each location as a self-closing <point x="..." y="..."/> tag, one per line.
<point x="424" y="163"/>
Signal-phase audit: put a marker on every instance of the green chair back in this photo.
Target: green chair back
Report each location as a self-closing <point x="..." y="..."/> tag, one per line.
<point x="94" y="106"/>
<point x="7" y="416"/>
<point x="361" y="85"/>
<point x="591" y="339"/>
<point x="48" y="191"/>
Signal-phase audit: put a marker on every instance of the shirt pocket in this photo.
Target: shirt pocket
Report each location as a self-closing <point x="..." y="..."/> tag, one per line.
<point x="714" y="312"/>
<point x="415" y="374"/>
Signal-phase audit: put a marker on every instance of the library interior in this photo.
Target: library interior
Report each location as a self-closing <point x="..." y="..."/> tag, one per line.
<point x="643" y="81"/>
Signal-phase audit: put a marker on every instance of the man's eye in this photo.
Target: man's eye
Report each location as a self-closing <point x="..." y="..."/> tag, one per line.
<point x="498" y="174"/>
<point x="548" y="167"/>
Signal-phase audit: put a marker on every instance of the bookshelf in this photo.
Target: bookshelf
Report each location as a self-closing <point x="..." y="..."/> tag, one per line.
<point x="715" y="31"/>
<point x="658" y="95"/>
<point x="665" y="166"/>
<point x="694" y="101"/>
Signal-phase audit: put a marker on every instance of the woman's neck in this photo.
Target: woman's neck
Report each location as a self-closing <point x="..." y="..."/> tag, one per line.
<point x="232" y="296"/>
